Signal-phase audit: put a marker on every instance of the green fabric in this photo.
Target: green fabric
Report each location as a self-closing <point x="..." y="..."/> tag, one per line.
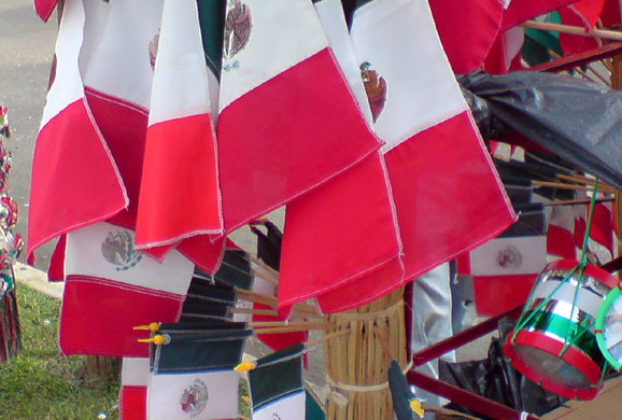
<point x="313" y="411"/>
<point x="538" y="43"/>
<point x="276" y="375"/>
<point x="211" y="20"/>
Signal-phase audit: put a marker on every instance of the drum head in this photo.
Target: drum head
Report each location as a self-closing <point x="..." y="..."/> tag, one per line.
<point x="609" y="328"/>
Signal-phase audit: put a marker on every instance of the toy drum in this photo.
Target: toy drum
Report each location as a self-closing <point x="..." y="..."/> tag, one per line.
<point x="609" y="328"/>
<point x="554" y="341"/>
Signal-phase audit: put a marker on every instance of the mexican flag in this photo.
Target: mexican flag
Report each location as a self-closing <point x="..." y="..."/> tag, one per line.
<point x="276" y="386"/>
<point x="110" y="288"/>
<point x="287" y="120"/>
<point x="133" y="391"/>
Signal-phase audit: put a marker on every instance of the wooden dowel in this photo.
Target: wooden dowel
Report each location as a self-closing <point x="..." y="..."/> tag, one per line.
<point x="577" y="201"/>
<point x="562" y="185"/>
<point x="584" y="180"/>
<point x="574" y="30"/>
<point x="251" y="311"/>
<point x="325" y="337"/>
<point x="263" y="324"/>
<point x="263" y="265"/>
<point x="284" y="330"/>
<point x="256" y="297"/>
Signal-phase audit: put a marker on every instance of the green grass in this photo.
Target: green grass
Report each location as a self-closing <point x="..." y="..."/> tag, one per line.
<point x="40" y="383"/>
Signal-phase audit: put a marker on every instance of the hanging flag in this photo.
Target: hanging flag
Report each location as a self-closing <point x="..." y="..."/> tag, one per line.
<point x="276" y="386"/>
<point x="314" y="408"/>
<point x="45" y="8"/>
<point x="192" y="375"/>
<point x="583" y="13"/>
<point x="287" y="121"/>
<point x="560" y="235"/>
<point x="439" y="171"/>
<point x="133" y="391"/>
<point x="522" y="10"/>
<point x="110" y="288"/>
<point x="70" y="147"/>
<point x="269" y="251"/>
<point x="179" y="195"/>
<point x="467" y="39"/>
<point x="346" y="214"/>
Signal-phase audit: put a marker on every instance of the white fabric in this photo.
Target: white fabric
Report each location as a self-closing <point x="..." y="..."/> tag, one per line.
<point x="283" y="33"/>
<point x="431" y="323"/>
<point x="67" y="87"/>
<point x="290" y="407"/>
<point x="135" y="371"/>
<point x="528" y="253"/>
<point x="165" y="393"/>
<point x="180" y="82"/>
<point x="428" y="92"/>
<point x="86" y="249"/>
<point x="333" y="20"/>
<point x="121" y="72"/>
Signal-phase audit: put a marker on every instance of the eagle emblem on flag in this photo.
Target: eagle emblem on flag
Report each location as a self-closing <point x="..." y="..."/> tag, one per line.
<point x="238" y="25"/>
<point x="195" y="397"/>
<point x="153" y="50"/>
<point x="375" y="88"/>
<point x="118" y="249"/>
<point x="509" y="258"/>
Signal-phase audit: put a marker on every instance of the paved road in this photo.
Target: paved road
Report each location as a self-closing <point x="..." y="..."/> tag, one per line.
<point x="26" y="50"/>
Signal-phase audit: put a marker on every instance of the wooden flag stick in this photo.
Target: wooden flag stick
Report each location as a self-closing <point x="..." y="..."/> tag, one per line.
<point x="293" y="324"/>
<point x="574" y="30"/>
<point x="284" y="330"/>
<point x="300" y="308"/>
<point x="565" y="186"/>
<point x="251" y="311"/>
<point x="266" y="276"/>
<point x="577" y="201"/>
<point x="263" y="265"/>
<point x="584" y="180"/>
<point x="325" y="337"/>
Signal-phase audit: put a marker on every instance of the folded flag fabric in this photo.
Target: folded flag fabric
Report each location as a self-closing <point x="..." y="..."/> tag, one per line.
<point x="276" y="386"/>
<point x="45" y="8"/>
<point x="522" y="10"/>
<point x="179" y="194"/>
<point x="110" y="288"/>
<point x="314" y="408"/>
<point x="346" y="214"/>
<point x="192" y="375"/>
<point x="287" y="120"/>
<point x="133" y="391"/>
<point x="447" y="193"/>
<point x="70" y="147"/>
<point x="467" y="41"/>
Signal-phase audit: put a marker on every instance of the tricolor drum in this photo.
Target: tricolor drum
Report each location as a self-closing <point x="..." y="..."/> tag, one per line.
<point x="554" y="341"/>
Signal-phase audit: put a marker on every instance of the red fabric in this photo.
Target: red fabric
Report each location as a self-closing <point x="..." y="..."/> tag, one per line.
<point x="97" y="316"/>
<point x="45" y="8"/>
<point x="441" y="178"/>
<point x="602" y="226"/>
<point x="56" y="270"/>
<point x="522" y="10"/>
<point x="610" y="15"/>
<point x="467" y="41"/>
<point x="133" y="402"/>
<point x="560" y="242"/>
<point x="179" y="190"/>
<point x="337" y="233"/>
<point x="123" y="127"/>
<point x="584" y="13"/>
<point x="302" y="134"/>
<point x="205" y="253"/>
<point x="495" y="295"/>
<point x="73" y="177"/>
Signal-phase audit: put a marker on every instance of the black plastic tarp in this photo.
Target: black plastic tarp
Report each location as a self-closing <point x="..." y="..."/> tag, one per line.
<point x="577" y="120"/>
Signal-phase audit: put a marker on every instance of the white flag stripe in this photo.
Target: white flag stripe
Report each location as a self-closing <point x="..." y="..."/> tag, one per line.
<point x="290" y="407"/>
<point x="277" y="41"/>
<point x="215" y="395"/>
<point x="67" y="87"/>
<point x="586" y="300"/>
<point x="512" y="255"/>
<point x="333" y="20"/>
<point x="135" y="371"/>
<point x="428" y="92"/>
<point x="180" y="83"/>
<point x="125" y="73"/>
<point x="106" y="251"/>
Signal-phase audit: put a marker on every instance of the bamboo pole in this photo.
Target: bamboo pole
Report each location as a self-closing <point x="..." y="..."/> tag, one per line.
<point x="357" y="364"/>
<point x="574" y="30"/>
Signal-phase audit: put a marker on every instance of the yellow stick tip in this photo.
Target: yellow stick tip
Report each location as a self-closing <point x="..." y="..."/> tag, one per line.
<point x="244" y="367"/>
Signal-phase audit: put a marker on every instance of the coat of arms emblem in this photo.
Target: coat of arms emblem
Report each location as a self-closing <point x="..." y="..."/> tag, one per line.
<point x="194" y="399"/>
<point x="238" y="25"/>
<point x="509" y="258"/>
<point x="118" y="249"/>
<point x="375" y="88"/>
